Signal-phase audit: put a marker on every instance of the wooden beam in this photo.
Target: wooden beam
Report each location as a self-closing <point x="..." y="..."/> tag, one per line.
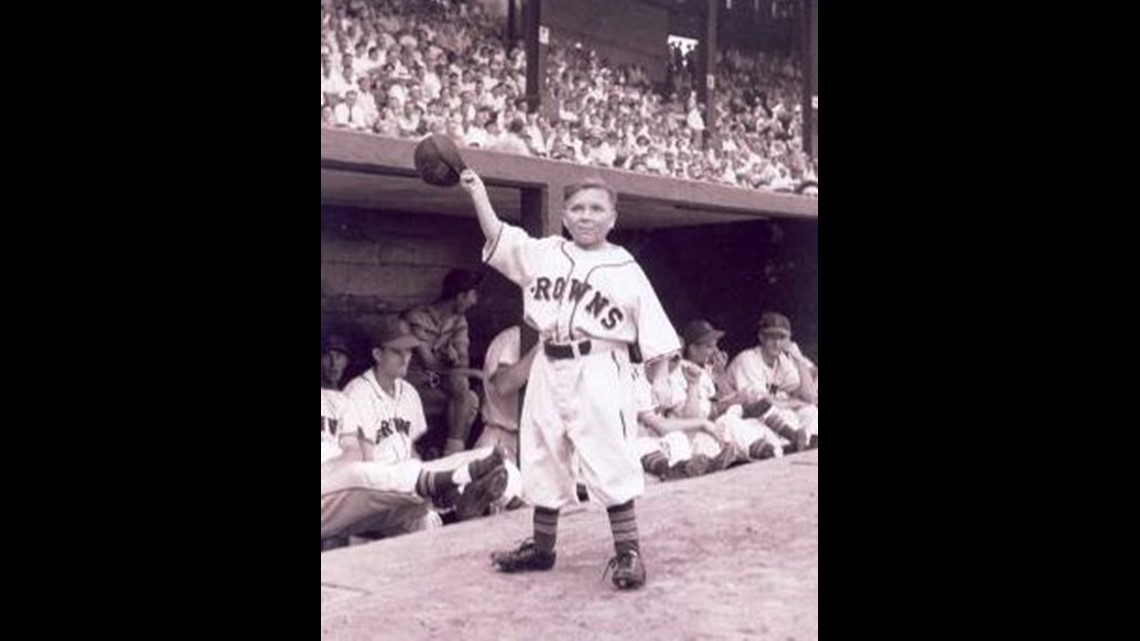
<point x="377" y="154"/>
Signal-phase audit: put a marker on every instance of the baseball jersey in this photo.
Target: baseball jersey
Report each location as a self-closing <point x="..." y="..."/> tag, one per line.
<point x="332" y="409"/>
<point x="706" y="391"/>
<point x="643" y="402"/>
<point x="642" y="399"/>
<point x="749" y="372"/>
<point x="642" y="391"/>
<point x="570" y="294"/>
<point x="392" y="423"/>
<point x="499" y="410"/>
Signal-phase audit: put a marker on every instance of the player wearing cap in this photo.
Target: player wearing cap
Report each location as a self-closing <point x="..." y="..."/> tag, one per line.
<point x="776" y="370"/>
<point x="336" y="355"/>
<point x="376" y="484"/>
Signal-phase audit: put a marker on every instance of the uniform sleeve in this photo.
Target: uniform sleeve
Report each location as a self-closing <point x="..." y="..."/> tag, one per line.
<point x="679" y="390"/>
<point x="415" y="412"/>
<point x="504" y="350"/>
<point x="642" y="392"/>
<point x="327" y="409"/>
<point x="655" y="334"/>
<point x="787" y="376"/>
<point x="352" y="416"/>
<point x="511" y="252"/>
<point x="745" y="378"/>
<point x="707" y="393"/>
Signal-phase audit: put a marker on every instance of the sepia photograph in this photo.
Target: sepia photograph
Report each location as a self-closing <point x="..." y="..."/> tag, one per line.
<point x="569" y="319"/>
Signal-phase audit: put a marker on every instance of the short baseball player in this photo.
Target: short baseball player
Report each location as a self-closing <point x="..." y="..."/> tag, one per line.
<point x="376" y="484"/>
<point x="590" y="302"/>
<point x="776" y="370"/>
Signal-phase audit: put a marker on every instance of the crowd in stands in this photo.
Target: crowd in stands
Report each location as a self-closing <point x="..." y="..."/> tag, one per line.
<point x="408" y="68"/>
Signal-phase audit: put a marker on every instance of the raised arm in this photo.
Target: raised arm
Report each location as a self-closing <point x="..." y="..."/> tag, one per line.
<point x="488" y="220"/>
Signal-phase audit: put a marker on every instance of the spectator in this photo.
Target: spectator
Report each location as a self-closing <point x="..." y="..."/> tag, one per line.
<point x="427" y="51"/>
<point x="512" y="142"/>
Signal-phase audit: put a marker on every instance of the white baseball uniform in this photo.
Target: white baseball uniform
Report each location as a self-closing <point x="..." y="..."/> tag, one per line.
<point x="731" y="426"/>
<point x="380" y="495"/>
<point x="699" y="443"/>
<point x="332" y="408"/>
<point x="679" y="387"/>
<point x="581" y="402"/>
<point x="501" y="413"/>
<point x="750" y="374"/>
<point x="674" y="445"/>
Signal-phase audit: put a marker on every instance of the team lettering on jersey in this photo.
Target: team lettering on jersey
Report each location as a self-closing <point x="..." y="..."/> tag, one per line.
<point x="388" y="428"/>
<point x="555" y="289"/>
<point x="330" y="426"/>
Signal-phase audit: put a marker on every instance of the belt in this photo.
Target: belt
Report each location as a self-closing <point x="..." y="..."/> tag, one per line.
<point x="563" y="351"/>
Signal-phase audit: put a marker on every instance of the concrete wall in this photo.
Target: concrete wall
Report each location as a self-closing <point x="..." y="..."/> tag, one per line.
<point x="377" y="262"/>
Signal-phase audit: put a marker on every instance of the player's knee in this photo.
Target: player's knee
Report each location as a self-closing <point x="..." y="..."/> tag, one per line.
<point x="645" y="446"/>
<point x="705" y="445"/>
<point x="354" y="475"/>
<point x="677" y="447"/>
<point x="429" y="521"/>
<point x="790" y="419"/>
<point x="809" y="417"/>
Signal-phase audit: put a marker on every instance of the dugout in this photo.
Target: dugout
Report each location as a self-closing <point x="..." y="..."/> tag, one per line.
<point x="720" y="252"/>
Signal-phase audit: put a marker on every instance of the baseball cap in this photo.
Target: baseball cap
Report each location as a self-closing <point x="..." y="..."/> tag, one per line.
<point x="700" y="331"/>
<point x="335" y="343"/>
<point x="773" y="323"/>
<point x="458" y="281"/>
<point x="392" y="331"/>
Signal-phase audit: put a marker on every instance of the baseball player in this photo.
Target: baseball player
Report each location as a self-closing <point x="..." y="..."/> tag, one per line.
<point x="376" y="484"/>
<point x="332" y="408"/>
<point x="663" y="442"/>
<point x="440" y="363"/>
<point x="706" y="390"/>
<point x="504" y="374"/>
<point x="590" y="302"/>
<point x="336" y="356"/>
<point x="776" y="370"/>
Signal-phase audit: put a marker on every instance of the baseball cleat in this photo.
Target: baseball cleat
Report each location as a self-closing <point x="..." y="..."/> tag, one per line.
<point x="525" y="559"/>
<point x="628" y="571"/>
<point x="480" y="493"/>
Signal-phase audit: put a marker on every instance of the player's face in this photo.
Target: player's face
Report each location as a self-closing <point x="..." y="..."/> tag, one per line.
<point x="589" y="216"/>
<point x="701" y="353"/>
<point x="467" y="300"/>
<point x="333" y="365"/>
<point x="392" y="362"/>
<point x="773" y="343"/>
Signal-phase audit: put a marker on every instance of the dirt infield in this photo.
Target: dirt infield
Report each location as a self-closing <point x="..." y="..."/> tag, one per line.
<point x="730" y="556"/>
